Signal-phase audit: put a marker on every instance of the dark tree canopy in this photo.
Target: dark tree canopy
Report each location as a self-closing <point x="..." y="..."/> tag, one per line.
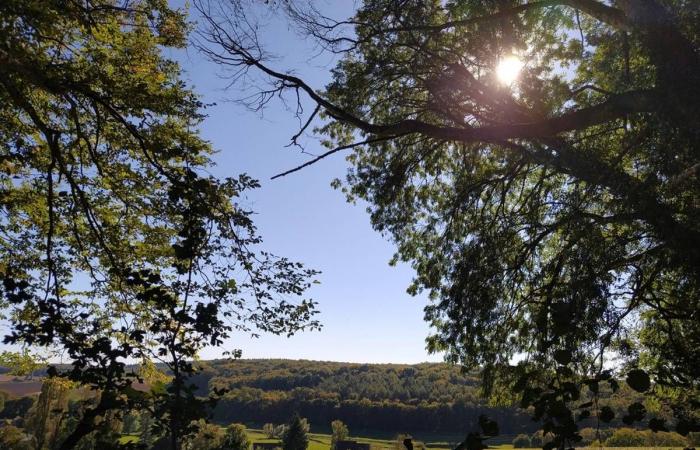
<point x="554" y="220"/>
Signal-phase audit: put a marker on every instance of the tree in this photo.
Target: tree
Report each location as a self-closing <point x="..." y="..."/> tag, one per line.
<point x="235" y="438"/>
<point x="555" y="218"/>
<point x="22" y="364"/>
<point x="208" y="437"/>
<point x="115" y="242"/>
<point x="295" y="437"/>
<point x="269" y="430"/>
<point x="340" y="432"/>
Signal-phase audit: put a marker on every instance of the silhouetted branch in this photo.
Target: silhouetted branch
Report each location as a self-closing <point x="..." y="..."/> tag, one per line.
<point x="330" y="152"/>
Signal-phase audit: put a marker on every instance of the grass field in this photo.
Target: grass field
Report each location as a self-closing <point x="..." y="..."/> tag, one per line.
<point x="319" y="441"/>
<point x="322" y="441"/>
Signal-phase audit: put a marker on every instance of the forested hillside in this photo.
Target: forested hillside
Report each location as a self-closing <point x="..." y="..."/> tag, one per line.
<point x="391" y="397"/>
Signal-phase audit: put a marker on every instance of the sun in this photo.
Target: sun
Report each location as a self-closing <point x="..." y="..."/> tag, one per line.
<point x="508" y="69"/>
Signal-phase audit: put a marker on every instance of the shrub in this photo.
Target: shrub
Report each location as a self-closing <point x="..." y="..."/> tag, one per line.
<point x="538" y="439"/>
<point x="279" y="431"/>
<point x="522" y="441"/>
<point x="235" y="438"/>
<point x="13" y="438"/>
<point x="591" y="435"/>
<point x="605" y="433"/>
<point x="588" y="435"/>
<point x="269" y="430"/>
<point x="694" y="439"/>
<point x="207" y="437"/>
<point x="664" y="439"/>
<point x="626" y="437"/>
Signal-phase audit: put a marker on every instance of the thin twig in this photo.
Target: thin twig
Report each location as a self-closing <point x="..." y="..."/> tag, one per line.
<point x="330" y="152"/>
<point x="306" y="125"/>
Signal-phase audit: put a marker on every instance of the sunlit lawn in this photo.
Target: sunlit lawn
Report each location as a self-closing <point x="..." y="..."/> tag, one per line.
<point x="320" y="441"/>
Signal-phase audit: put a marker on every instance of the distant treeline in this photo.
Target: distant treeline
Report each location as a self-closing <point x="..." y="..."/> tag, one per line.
<point x="424" y="397"/>
<point x="429" y="397"/>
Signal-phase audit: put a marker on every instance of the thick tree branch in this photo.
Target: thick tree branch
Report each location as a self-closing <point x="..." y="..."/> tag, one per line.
<point x="616" y="106"/>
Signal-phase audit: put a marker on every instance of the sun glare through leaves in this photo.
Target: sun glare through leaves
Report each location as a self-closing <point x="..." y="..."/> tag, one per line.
<point x="508" y="69"/>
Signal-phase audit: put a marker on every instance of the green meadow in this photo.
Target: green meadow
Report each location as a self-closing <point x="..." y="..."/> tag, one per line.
<point x="321" y="441"/>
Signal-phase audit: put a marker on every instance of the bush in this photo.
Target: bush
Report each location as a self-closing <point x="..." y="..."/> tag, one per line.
<point x="629" y="437"/>
<point x="269" y="430"/>
<point x="522" y="441"/>
<point x="12" y="437"/>
<point x="626" y="437"/>
<point x="235" y="438"/>
<point x="591" y="436"/>
<point x="694" y="439"/>
<point x="207" y="437"/>
<point x="279" y="431"/>
<point x="664" y="439"/>
<point x="538" y="439"/>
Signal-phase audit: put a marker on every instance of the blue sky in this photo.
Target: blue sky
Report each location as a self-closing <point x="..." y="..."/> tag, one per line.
<point x="367" y="315"/>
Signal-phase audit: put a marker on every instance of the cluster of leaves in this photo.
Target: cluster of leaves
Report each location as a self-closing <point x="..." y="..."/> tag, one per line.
<point x="569" y="399"/>
<point x="22" y="363"/>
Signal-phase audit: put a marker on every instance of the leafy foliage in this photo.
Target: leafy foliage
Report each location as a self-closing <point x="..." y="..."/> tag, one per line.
<point x="115" y="242"/>
<point x="207" y="437"/>
<point x="21" y="363"/>
<point x="340" y="432"/>
<point x="235" y="438"/>
<point x="556" y="218"/>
